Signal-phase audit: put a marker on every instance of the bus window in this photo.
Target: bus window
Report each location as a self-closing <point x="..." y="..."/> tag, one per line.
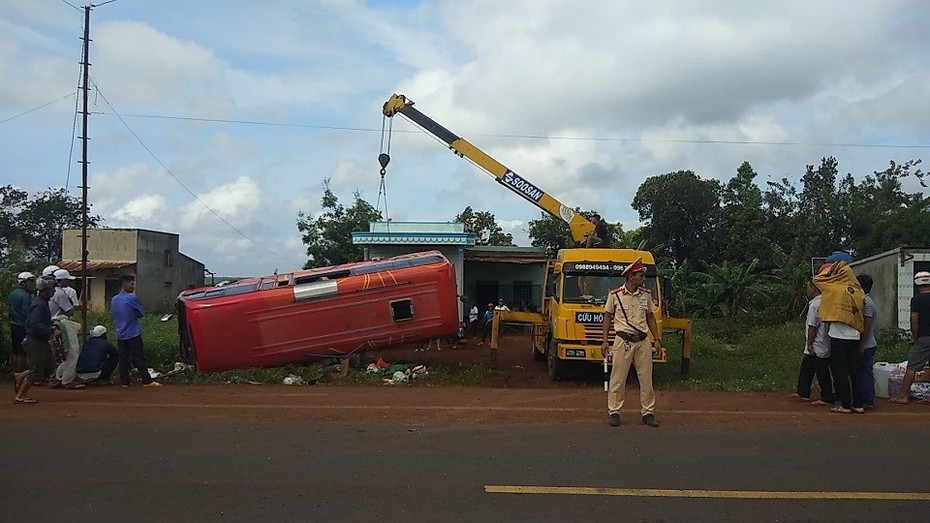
<point x="402" y="310"/>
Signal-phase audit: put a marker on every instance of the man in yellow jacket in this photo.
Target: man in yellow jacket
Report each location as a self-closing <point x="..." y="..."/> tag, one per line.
<point x="841" y="307"/>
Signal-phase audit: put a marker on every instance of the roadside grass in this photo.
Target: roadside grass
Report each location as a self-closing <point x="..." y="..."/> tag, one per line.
<point x="765" y="358"/>
<point x="761" y="359"/>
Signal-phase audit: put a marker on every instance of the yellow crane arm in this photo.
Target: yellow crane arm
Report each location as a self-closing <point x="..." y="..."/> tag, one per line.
<point x="580" y="227"/>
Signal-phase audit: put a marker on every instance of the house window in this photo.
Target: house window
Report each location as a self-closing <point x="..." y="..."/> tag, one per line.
<point x="169" y="258"/>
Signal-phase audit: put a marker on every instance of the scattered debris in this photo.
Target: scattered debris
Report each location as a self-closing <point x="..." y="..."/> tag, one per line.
<point x="178" y="367"/>
<point x="395" y="373"/>
<point x="293" y="380"/>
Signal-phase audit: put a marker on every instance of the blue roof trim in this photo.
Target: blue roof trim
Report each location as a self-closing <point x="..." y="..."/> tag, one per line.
<point x="412" y="238"/>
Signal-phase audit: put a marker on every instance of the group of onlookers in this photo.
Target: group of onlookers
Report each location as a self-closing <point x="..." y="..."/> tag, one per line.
<point x="841" y="343"/>
<point x="46" y="343"/>
<point x="485" y="321"/>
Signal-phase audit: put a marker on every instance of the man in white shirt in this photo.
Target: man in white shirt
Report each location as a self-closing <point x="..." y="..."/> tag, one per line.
<point x="816" y="354"/>
<point x="65" y="282"/>
<point x="473" y="320"/>
<point x="61" y="303"/>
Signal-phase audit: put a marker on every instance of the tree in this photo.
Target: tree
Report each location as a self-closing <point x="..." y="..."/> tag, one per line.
<point x="11" y="203"/>
<point x="485" y="227"/>
<point x="42" y="220"/>
<point x="551" y="233"/>
<point x="634" y="239"/>
<point x="882" y="216"/>
<point x="741" y="233"/>
<point x="679" y="210"/>
<point x="822" y="209"/>
<point x="329" y="236"/>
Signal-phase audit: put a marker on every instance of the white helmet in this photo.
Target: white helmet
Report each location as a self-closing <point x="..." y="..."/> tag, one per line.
<point x="922" y="278"/>
<point x="48" y="271"/>
<point x="23" y="276"/>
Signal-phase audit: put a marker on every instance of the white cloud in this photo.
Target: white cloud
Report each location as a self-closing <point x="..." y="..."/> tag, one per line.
<point x="144" y="209"/>
<point x="234" y="202"/>
<point x="139" y="65"/>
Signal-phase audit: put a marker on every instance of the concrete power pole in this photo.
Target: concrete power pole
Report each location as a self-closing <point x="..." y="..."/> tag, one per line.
<point x="85" y="88"/>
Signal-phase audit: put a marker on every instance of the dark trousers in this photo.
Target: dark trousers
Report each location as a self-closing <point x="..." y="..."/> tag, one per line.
<point x="132" y="349"/>
<point x="109" y="365"/>
<point x="813" y="366"/>
<point x="845" y="367"/>
<point x="866" y="379"/>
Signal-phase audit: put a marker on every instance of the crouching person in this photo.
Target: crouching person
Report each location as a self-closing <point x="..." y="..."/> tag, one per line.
<point x="99" y="358"/>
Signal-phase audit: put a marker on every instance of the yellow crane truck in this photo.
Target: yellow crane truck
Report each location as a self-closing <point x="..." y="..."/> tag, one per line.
<point x="568" y="326"/>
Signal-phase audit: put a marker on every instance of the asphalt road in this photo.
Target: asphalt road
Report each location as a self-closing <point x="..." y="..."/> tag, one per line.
<point x="63" y="465"/>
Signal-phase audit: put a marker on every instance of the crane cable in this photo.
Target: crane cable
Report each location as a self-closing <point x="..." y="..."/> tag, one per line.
<point x="384" y="158"/>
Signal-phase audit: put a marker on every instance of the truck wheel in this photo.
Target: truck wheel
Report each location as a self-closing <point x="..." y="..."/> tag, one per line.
<point x="537" y="355"/>
<point x="556" y="366"/>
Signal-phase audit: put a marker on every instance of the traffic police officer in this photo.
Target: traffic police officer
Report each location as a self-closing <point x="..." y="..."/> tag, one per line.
<point x="632" y="311"/>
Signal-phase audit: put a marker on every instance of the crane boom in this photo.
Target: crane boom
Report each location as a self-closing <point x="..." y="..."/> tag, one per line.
<point x="580" y="227"/>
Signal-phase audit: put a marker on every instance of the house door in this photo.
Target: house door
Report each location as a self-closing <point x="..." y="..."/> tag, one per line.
<point x="487" y="292"/>
<point x="111" y="288"/>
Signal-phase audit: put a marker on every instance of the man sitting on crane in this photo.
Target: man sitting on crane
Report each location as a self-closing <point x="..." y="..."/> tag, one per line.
<point x="600" y="238"/>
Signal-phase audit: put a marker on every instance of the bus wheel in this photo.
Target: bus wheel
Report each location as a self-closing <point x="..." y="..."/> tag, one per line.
<point x="556" y="366"/>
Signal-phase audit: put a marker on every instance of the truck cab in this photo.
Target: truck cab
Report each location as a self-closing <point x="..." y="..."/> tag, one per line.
<point x="577" y="285"/>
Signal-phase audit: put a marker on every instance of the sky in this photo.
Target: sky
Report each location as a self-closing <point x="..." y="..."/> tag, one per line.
<point x="221" y="120"/>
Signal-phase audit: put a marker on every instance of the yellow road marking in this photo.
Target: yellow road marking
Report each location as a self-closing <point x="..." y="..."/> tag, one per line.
<point x="719" y="494"/>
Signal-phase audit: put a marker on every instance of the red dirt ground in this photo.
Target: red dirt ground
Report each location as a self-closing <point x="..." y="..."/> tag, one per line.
<point x="419" y="406"/>
<point x="518" y="392"/>
<point x="515" y="365"/>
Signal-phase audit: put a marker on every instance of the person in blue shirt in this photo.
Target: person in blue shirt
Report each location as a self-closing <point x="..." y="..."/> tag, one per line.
<point x="867" y="344"/>
<point x="127" y="310"/>
<point x="18" y="305"/>
<point x="98" y="358"/>
<point x="487" y="323"/>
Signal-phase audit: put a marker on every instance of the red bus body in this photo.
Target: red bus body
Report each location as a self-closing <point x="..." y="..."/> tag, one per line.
<point x="319" y="313"/>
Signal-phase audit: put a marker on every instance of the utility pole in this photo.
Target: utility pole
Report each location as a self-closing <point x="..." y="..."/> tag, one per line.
<point x="85" y="88"/>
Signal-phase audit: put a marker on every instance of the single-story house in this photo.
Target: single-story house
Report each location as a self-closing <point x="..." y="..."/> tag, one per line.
<point x="161" y="271"/>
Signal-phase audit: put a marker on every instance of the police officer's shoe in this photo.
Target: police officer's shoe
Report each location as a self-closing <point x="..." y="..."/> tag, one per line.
<point x="650" y="420"/>
<point x="614" y="419"/>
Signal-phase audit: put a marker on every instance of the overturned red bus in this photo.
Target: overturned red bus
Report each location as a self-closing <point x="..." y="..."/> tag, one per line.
<point x="319" y="313"/>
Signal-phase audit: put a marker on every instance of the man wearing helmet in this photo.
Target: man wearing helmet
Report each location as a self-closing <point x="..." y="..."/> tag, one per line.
<point x="920" y="335"/>
<point x="19" y="302"/>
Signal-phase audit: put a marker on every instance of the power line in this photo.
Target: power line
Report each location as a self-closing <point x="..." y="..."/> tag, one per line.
<point x="72" y="5"/>
<point x="74" y="121"/>
<point x="254" y="122"/>
<point x="543" y="137"/>
<point x="167" y="170"/>
<point x="35" y="108"/>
